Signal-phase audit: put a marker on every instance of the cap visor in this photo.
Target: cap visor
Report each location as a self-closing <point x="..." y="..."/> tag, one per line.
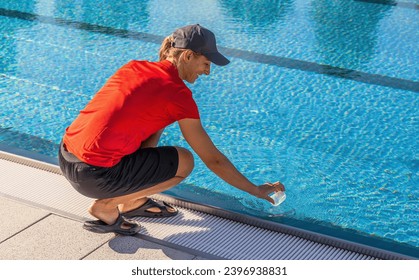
<point x="217" y="58"/>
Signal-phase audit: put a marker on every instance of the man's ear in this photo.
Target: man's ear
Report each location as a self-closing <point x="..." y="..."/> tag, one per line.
<point x="188" y="55"/>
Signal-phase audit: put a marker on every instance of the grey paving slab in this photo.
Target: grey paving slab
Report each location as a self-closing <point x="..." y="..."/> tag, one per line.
<point x="52" y="238"/>
<point x="15" y="216"/>
<point x="134" y="248"/>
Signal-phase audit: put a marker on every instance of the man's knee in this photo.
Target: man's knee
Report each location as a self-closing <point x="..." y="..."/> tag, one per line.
<point x="186" y="162"/>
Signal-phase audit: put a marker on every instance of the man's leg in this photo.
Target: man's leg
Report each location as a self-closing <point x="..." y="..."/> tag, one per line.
<point x="106" y="209"/>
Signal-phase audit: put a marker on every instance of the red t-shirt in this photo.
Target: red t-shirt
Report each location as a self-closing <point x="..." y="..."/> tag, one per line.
<point x="137" y="101"/>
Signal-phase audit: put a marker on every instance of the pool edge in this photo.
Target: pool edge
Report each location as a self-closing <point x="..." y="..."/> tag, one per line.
<point x="46" y="163"/>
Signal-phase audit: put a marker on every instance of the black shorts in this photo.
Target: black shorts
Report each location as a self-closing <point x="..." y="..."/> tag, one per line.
<point x="137" y="171"/>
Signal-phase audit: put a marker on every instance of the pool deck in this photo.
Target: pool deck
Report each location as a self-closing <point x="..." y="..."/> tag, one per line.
<point x="36" y="231"/>
<point x="31" y="233"/>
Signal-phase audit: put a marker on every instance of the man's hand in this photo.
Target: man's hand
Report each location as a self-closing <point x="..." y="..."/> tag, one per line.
<point x="268" y="188"/>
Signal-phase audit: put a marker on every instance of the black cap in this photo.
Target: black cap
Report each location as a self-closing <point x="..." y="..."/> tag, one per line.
<point x="200" y="40"/>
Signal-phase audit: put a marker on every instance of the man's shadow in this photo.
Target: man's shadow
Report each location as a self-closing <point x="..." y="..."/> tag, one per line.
<point x="193" y="227"/>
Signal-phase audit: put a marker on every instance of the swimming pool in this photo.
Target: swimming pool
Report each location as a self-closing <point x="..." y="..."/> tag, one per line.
<point x="321" y="95"/>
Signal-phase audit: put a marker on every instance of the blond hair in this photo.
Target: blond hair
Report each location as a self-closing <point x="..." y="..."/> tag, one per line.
<point x="167" y="51"/>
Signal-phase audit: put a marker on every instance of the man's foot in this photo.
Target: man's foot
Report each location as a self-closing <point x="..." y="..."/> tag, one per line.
<point x="152" y="209"/>
<point x="121" y="226"/>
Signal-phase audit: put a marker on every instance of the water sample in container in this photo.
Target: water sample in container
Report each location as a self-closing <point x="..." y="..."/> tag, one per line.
<point x="278" y="198"/>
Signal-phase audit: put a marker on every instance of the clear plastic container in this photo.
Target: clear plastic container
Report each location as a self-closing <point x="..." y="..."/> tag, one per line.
<point x="278" y="198"/>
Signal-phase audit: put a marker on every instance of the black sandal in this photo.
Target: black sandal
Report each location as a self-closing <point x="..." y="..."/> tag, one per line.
<point x="120" y="226"/>
<point x="143" y="211"/>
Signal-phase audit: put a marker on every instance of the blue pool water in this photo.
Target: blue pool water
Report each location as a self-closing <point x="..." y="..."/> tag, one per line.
<point x="321" y="95"/>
